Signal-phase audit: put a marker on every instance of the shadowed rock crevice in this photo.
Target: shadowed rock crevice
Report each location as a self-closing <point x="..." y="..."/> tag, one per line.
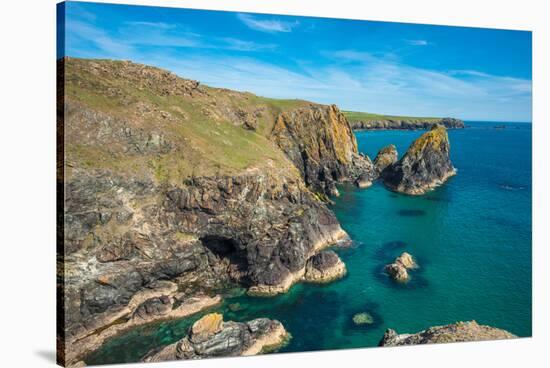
<point x="228" y="251"/>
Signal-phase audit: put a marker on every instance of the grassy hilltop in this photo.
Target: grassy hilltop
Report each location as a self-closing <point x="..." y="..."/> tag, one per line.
<point x="176" y="128"/>
<point x="366" y="116"/>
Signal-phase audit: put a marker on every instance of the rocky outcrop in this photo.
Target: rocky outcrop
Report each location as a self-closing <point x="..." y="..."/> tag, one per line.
<point x="398" y="269"/>
<point x="385" y="158"/>
<point x="160" y="301"/>
<point x="323" y="267"/>
<point x="406" y="124"/>
<point x="211" y="337"/>
<point x="319" y="141"/>
<point x="456" y="332"/>
<point x="171" y="198"/>
<point x="425" y="165"/>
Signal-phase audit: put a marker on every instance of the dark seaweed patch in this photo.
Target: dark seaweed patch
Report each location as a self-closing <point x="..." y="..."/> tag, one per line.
<point x="389" y="249"/>
<point x="436" y="199"/>
<point x="411" y="213"/>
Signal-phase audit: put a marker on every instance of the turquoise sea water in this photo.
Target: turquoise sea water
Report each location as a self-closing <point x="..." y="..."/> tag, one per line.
<point x="471" y="238"/>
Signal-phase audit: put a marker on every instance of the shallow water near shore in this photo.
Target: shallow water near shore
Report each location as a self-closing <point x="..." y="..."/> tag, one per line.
<point x="471" y="238"/>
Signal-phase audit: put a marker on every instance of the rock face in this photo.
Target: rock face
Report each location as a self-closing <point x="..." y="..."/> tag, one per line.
<point x="166" y="199"/>
<point x="319" y="141"/>
<point x="425" y="165"/>
<point x="211" y="337"/>
<point x="406" y="124"/>
<point x="386" y="157"/>
<point x="398" y="269"/>
<point x="323" y="267"/>
<point x="456" y="332"/>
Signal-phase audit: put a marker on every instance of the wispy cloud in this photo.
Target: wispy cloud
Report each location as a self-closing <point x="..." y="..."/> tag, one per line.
<point x="354" y="79"/>
<point x="130" y="36"/>
<point x="79" y="31"/>
<point x="418" y="42"/>
<point x="266" y="25"/>
<point x="159" y="25"/>
<point x="375" y="84"/>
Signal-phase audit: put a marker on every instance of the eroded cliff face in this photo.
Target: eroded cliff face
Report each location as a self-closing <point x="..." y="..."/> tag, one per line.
<point x="320" y="142"/>
<point x="425" y="165"/>
<point x="174" y="190"/>
<point x="456" y="332"/>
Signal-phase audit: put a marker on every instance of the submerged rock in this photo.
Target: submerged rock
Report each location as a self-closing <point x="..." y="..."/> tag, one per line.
<point x="324" y="267"/>
<point x="398" y="269"/>
<point x="211" y="337"/>
<point x="456" y="332"/>
<point x="425" y="165"/>
<point x="387" y="156"/>
<point x="363" y="318"/>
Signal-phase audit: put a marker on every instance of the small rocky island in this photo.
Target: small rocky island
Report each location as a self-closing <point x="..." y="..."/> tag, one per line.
<point x="385" y="158"/>
<point x="456" y="332"/>
<point x="425" y="165"/>
<point x="211" y="337"/>
<point x="398" y="270"/>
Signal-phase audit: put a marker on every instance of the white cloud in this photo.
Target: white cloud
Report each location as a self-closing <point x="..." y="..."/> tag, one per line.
<point x="266" y="25"/>
<point x="126" y="40"/>
<point x="355" y="80"/>
<point x="418" y="42"/>
<point x="160" y="25"/>
<point x="375" y="85"/>
<point x="78" y="31"/>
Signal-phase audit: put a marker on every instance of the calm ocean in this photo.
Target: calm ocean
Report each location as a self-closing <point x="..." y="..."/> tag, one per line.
<point x="471" y="238"/>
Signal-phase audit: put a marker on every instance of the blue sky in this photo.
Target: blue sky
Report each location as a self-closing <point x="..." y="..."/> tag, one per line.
<point x="390" y="68"/>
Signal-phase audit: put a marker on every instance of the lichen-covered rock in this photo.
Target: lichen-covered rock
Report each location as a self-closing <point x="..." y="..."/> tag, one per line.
<point x="387" y="156"/>
<point x="227" y="339"/>
<point x="398" y="269"/>
<point x="456" y="332"/>
<point x="319" y="141"/>
<point x="324" y="267"/>
<point x="207" y="326"/>
<point x="425" y="165"/>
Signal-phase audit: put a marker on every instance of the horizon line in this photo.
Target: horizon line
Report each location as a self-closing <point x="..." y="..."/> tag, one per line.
<point x="294" y="98"/>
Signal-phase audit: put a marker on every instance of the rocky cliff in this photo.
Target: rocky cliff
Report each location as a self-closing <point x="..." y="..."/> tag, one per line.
<point x="425" y="165"/>
<point x="172" y="190"/>
<point x="456" y="332"/>
<point x="406" y="124"/>
<point x="320" y="142"/>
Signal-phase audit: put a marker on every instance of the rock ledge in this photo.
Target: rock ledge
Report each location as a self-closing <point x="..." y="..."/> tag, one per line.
<point x="211" y="337"/>
<point x="456" y="332"/>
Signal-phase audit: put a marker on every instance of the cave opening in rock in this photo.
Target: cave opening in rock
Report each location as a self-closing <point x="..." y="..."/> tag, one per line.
<point x="228" y="251"/>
